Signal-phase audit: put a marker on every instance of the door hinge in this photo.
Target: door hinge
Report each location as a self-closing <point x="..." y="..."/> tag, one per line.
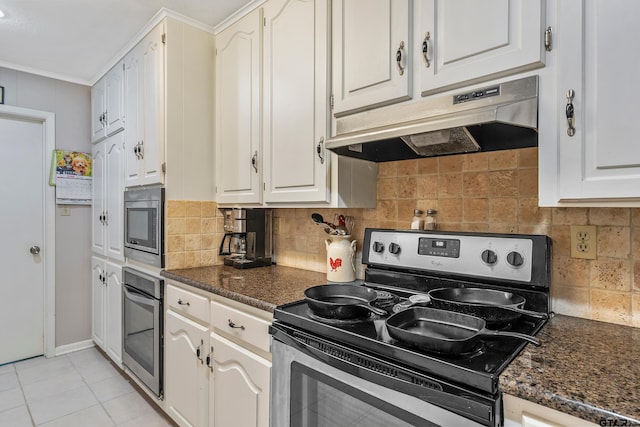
<point x="548" y="39"/>
<point x="164" y="168"/>
<point x="164" y="38"/>
<point x="331" y="101"/>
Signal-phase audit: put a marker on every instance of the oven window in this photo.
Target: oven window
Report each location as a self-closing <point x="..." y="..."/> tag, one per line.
<point x="139" y="321"/>
<point x="321" y="401"/>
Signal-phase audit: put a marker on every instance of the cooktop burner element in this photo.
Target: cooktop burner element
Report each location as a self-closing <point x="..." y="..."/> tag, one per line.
<point x="402" y="263"/>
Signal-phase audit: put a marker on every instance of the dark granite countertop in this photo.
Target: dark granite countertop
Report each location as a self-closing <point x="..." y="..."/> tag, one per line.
<point x="584" y="368"/>
<point x="263" y="287"/>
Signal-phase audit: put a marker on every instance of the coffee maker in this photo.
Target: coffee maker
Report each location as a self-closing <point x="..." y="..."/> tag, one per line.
<point x="247" y="240"/>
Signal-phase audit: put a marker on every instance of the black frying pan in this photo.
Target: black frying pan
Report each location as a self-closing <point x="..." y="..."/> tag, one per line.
<point x="342" y="301"/>
<point x="491" y="305"/>
<point x="443" y="331"/>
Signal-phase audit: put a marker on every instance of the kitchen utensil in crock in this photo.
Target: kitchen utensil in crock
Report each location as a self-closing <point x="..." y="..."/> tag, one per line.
<point x="318" y="219"/>
<point x="443" y="331"/>
<point x="494" y="306"/>
<point x="342" y="301"/>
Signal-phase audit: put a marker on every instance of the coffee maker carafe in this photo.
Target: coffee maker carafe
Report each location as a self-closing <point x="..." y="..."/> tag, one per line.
<point x="247" y="240"/>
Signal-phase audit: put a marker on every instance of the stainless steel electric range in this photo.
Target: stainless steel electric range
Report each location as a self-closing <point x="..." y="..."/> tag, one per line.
<point x="351" y="372"/>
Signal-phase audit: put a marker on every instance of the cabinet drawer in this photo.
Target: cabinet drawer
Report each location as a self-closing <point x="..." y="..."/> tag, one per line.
<point x="188" y="303"/>
<point x="244" y="326"/>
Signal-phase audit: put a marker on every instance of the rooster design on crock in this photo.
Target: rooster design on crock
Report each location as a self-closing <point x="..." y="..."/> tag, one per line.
<point x="340" y="253"/>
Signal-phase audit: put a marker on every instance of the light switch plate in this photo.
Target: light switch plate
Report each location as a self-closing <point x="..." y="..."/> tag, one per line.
<point x="65" y="211"/>
<point x="583" y="241"/>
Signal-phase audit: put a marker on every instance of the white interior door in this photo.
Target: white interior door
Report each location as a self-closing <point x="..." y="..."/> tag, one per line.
<point x="22" y="232"/>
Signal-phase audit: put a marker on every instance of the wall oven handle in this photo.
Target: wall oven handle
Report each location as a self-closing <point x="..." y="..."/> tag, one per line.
<point x="138" y="297"/>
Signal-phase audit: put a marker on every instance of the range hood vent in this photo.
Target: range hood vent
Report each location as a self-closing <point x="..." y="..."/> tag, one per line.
<point x="499" y="117"/>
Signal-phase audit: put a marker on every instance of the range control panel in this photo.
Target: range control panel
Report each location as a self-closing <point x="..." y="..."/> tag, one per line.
<point x="505" y="257"/>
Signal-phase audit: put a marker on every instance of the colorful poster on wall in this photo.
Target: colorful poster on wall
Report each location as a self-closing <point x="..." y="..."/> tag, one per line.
<point x="72" y="177"/>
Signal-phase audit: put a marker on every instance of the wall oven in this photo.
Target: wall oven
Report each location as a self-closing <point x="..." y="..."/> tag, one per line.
<point x="142" y="324"/>
<point x="144" y="225"/>
<point x="357" y="370"/>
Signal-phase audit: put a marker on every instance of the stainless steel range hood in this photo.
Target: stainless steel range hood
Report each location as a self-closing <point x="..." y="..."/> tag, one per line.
<point x="495" y="117"/>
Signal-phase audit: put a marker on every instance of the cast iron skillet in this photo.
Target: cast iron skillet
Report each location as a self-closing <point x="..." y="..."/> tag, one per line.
<point x="491" y="305"/>
<point x="342" y="301"/>
<point x="443" y="331"/>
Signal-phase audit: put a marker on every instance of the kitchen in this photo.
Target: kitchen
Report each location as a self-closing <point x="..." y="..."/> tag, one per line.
<point x="496" y="191"/>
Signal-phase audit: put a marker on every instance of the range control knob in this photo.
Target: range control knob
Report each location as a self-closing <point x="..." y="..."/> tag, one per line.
<point x="394" y="248"/>
<point x="515" y="259"/>
<point x="489" y="257"/>
<point x="378" y="247"/>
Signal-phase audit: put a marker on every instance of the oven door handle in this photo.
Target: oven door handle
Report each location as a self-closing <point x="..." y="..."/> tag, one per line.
<point x="137" y="296"/>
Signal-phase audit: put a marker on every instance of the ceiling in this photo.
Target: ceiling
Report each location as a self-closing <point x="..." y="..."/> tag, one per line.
<point x="76" y="40"/>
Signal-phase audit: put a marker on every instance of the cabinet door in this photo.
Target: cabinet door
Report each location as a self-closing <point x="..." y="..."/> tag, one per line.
<point x="133" y="110"/>
<point x="468" y="41"/>
<point x="240" y="380"/>
<point x="98" y="108"/>
<point x="98" y="208"/>
<point x="295" y="115"/>
<point x="238" y="98"/>
<point x="114" y="192"/>
<point x="152" y="144"/>
<point x="601" y="160"/>
<point x="113" y="312"/>
<point x="185" y="373"/>
<point x="98" y="301"/>
<point x="371" y="53"/>
<point x="114" y="100"/>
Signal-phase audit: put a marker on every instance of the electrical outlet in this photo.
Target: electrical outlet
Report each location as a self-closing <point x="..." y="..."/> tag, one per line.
<point x="583" y="241"/>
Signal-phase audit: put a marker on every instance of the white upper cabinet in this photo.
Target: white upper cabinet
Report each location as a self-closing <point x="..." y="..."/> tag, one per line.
<point x="272" y="116"/>
<point x="107" y="104"/>
<point x="295" y="113"/>
<point x="371" y="53"/>
<point x="144" y="95"/>
<point x="108" y="205"/>
<point x="462" y="42"/>
<point x="388" y="51"/>
<point x="600" y="161"/>
<point x="238" y="99"/>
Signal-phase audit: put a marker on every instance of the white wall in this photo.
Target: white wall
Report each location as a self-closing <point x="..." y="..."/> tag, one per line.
<point x="71" y="104"/>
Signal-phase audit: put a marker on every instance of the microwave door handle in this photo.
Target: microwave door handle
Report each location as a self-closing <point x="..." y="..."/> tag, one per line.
<point x="138" y="297"/>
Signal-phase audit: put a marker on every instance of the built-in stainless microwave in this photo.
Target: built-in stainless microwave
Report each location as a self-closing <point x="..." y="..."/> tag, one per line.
<point x="144" y="225"/>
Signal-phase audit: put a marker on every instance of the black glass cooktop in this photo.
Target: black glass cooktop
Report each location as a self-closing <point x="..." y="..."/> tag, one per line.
<point x="479" y="368"/>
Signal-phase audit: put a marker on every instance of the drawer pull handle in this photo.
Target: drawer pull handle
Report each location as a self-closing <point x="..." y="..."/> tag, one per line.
<point x="234" y="326"/>
<point x="187" y="303"/>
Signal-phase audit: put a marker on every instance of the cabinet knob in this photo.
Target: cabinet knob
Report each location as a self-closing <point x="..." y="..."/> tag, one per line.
<point x="399" y="58"/>
<point x="425" y="49"/>
<point x="570" y="112"/>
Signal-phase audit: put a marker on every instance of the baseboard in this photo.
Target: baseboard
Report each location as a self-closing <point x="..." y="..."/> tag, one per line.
<point x="68" y="348"/>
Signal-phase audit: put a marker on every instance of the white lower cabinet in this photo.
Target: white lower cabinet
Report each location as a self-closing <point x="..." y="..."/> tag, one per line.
<point x="186" y="378"/>
<point x="239" y="389"/>
<point x="211" y="379"/>
<point x="106" y="305"/>
<point x="522" y="413"/>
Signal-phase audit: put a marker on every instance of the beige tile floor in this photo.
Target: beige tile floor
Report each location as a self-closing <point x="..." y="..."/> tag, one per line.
<point x="80" y="389"/>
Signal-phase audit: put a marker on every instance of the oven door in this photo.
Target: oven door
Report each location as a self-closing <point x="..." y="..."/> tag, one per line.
<point x="316" y="384"/>
<point x="142" y="337"/>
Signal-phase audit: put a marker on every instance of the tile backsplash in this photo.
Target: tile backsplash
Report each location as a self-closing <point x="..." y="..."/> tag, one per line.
<point x="494" y="191"/>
